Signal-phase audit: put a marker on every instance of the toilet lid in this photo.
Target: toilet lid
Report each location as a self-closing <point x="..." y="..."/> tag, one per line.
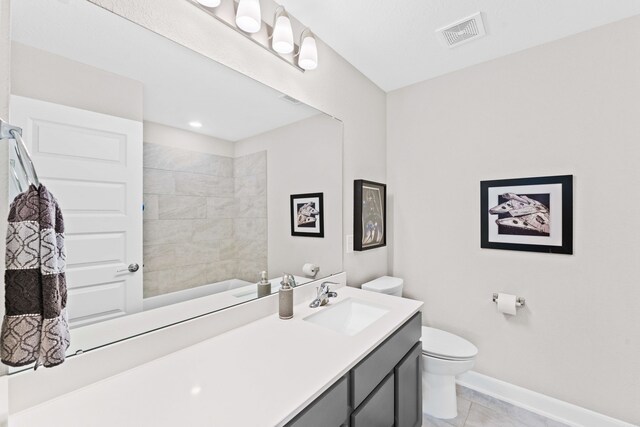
<point x="446" y="345"/>
<point x="384" y="284"/>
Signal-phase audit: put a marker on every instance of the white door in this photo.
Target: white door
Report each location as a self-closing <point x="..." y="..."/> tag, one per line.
<point x="92" y="163"/>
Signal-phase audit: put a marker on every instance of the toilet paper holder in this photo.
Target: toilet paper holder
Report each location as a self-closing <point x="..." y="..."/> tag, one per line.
<point x="519" y="300"/>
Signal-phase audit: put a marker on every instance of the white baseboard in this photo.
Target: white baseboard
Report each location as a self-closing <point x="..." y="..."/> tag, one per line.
<point x="541" y="404"/>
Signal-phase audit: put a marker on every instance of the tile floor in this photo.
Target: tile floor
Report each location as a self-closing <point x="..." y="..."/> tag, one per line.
<point x="479" y="410"/>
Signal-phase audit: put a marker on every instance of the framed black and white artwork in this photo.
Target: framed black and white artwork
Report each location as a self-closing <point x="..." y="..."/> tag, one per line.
<point x="307" y="215"/>
<point x="369" y="215"/>
<point x="527" y="214"/>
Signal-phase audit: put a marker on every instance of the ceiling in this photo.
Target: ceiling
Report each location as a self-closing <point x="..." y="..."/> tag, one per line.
<point x="393" y="43"/>
<point x="180" y="85"/>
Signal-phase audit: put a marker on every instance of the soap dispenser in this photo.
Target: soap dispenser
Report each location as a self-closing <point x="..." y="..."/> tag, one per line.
<point x="264" y="285"/>
<point x="285" y="298"/>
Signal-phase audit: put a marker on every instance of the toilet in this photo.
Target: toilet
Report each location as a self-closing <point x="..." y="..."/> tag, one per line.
<point x="444" y="355"/>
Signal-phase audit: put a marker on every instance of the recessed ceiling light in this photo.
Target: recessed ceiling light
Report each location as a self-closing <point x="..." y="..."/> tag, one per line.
<point x="195" y="124"/>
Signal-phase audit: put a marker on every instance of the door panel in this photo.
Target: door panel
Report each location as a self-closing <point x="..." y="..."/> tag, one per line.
<point x="92" y="163"/>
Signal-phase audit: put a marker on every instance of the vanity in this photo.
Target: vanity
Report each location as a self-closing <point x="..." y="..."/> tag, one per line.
<point x="382" y="390"/>
<point x="270" y="372"/>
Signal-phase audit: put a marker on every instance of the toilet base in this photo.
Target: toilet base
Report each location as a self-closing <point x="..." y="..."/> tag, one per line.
<point x="439" y="398"/>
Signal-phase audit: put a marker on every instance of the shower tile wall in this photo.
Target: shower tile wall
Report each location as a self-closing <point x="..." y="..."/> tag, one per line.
<point x="192" y="208"/>
<point x="250" y="221"/>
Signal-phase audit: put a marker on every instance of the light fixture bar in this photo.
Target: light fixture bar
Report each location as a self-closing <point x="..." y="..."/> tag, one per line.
<point x="226" y="13"/>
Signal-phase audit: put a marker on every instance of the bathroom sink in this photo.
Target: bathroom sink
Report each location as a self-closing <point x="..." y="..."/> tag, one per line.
<point x="348" y="317"/>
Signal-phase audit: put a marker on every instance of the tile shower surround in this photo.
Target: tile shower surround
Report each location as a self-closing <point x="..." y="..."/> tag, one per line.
<point x="205" y="218"/>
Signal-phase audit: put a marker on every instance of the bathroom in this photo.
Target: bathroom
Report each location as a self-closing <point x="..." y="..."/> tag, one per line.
<point x="181" y="149"/>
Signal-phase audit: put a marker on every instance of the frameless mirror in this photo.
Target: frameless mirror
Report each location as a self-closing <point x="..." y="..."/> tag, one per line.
<point x="180" y="180"/>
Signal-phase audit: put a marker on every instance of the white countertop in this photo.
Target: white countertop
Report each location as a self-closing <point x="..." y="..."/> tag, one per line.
<point x="261" y="374"/>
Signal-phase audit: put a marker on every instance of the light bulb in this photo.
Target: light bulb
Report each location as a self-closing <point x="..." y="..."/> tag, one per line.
<point x="308" y="59"/>
<point x="248" y="16"/>
<point x="282" y="41"/>
<point x="209" y="3"/>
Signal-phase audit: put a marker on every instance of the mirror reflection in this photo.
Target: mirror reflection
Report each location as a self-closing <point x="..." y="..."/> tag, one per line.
<point x="180" y="180"/>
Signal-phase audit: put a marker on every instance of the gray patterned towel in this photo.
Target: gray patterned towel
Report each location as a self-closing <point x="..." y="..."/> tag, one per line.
<point x="35" y="327"/>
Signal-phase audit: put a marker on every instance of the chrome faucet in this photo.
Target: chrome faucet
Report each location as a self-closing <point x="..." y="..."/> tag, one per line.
<point x="323" y="295"/>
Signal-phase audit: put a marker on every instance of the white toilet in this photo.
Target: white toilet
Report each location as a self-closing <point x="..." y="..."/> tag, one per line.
<point x="444" y="355"/>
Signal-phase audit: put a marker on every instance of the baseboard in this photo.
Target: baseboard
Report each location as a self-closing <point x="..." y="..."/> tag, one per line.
<point x="538" y="403"/>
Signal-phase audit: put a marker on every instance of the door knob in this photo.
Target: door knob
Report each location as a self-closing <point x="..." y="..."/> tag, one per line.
<point x="132" y="268"/>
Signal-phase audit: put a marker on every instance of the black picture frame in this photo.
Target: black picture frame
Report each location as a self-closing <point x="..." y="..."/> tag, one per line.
<point x="311" y="228"/>
<point x="369" y="215"/>
<point x="535" y="221"/>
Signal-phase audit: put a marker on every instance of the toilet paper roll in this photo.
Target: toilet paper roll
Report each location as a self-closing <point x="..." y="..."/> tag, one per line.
<point x="310" y="269"/>
<point x="507" y="304"/>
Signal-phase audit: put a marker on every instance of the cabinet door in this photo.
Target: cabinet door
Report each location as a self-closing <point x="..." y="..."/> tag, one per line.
<point x="375" y="367"/>
<point x="378" y="409"/>
<point x="329" y="410"/>
<point x="408" y="382"/>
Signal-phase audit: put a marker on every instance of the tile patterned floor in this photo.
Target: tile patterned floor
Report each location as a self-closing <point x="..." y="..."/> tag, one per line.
<point x="479" y="410"/>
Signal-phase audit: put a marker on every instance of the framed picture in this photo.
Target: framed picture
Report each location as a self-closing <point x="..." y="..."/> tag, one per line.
<point x="369" y="215"/>
<point x="528" y="214"/>
<point x="307" y="215"/>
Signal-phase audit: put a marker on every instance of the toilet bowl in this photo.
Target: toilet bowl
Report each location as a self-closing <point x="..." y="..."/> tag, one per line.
<point x="444" y="355"/>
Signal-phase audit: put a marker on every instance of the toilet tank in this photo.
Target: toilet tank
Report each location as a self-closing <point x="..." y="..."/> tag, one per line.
<point x="385" y="285"/>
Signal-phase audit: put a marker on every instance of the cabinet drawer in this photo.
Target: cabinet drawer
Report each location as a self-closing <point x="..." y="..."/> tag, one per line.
<point x="378" y="409"/>
<point x="329" y="410"/>
<point x="371" y="371"/>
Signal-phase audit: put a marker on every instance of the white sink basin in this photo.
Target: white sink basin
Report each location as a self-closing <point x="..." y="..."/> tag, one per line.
<point x="349" y="316"/>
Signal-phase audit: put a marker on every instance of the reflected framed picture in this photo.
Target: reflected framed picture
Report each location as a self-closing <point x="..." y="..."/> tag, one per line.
<point x="369" y="215"/>
<point x="307" y="215"/>
<point x="527" y="214"/>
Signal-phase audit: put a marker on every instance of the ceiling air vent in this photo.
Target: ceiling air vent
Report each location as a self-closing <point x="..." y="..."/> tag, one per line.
<point x="289" y="99"/>
<point x="462" y="31"/>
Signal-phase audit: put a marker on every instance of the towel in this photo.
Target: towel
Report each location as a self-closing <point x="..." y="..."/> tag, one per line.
<point x="35" y="327"/>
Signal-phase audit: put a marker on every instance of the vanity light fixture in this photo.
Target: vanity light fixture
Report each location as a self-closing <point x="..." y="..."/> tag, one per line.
<point x="195" y="124"/>
<point x="248" y="16"/>
<point x="308" y="54"/>
<point x="209" y="3"/>
<point x="282" y="36"/>
<point x="245" y="17"/>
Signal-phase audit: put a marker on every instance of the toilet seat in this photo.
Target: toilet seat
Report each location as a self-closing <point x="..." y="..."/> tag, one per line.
<point x="447" y="346"/>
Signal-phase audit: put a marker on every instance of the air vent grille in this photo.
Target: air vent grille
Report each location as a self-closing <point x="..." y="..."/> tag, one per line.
<point x="462" y="31"/>
<point x="290" y="99"/>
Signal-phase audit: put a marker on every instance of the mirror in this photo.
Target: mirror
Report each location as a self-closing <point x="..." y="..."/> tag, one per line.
<point x="180" y="180"/>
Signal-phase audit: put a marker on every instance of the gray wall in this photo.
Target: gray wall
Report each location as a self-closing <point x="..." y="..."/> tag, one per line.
<point x="303" y="157"/>
<point x="568" y="107"/>
<point x="43" y="75"/>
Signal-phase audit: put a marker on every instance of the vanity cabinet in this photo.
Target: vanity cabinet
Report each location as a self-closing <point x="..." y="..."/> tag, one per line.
<point x="408" y="386"/>
<point x="330" y="409"/>
<point x="383" y="390"/>
<point x="378" y="409"/>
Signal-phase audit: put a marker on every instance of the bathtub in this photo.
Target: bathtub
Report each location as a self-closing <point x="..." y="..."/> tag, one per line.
<point x="192" y="293"/>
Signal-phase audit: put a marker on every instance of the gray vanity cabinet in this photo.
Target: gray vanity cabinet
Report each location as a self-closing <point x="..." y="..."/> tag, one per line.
<point x="378" y="408"/>
<point x="329" y="410"/>
<point x="408" y="386"/>
<point x="383" y="390"/>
